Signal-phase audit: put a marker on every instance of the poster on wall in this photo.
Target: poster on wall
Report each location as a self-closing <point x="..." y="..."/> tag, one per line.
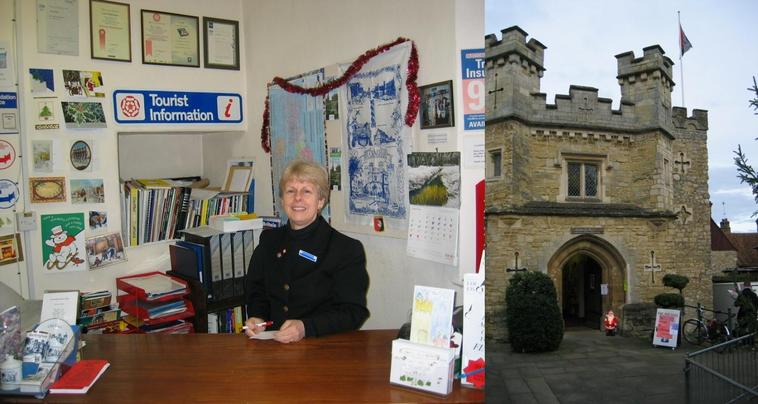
<point x="42" y="82"/>
<point x="46" y="116"/>
<point x="377" y="140"/>
<point x="83" y="115"/>
<point x="297" y="128"/>
<point x="7" y="75"/>
<point x="8" y="112"/>
<point x="472" y="83"/>
<point x="434" y="179"/>
<point x="81" y="83"/>
<point x="63" y="244"/>
<point x="58" y="27"/>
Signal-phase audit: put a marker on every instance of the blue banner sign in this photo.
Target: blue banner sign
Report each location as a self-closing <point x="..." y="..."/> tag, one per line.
<point x="176" y="107"/>
<point x="472" y="72"/>
<point x="8" y="100"/>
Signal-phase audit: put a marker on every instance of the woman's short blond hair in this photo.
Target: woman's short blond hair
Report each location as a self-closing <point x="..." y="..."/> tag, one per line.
<point x="309" y="172"/>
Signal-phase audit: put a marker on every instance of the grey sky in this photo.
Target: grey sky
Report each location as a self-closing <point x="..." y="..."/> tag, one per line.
<point x="582" y="38"/>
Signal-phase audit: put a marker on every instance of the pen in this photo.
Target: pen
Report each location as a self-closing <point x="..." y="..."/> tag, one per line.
<point x="263" y="324"/>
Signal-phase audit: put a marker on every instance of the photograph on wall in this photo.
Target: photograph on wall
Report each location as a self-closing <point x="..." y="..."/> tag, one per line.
<point x="83" y="83"/>
<point x="98" y="220"/>
<point x="10" y="249"/>
<point x="88" y="190"/>
<point x="332" y="106"/>
<point x="47" y="189"/>
<point x="7" y="154"/>
<point x="7" y="222"/>
<point x="434" y="179"/>
<point x="81" y="155"/>
<point x="46" y="116"/>
<point x="335" y="168"/>
<point x="42" y="82"/>
<point x="437" y="105"/>
<point x="63" y="248"/>
<point x="42" y="156"/>
<point x="105" y="250"/>
<point x="82" y="115"/>
<point x="377" y="138"/>
<point x="235" y="170"/>
<point x="9" y="194"/>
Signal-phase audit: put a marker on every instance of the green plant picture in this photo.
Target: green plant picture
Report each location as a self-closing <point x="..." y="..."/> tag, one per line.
<point x="434" y="179"/>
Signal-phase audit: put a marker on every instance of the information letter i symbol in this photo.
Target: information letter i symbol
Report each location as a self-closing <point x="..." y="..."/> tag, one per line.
<point x="228" y="108"/>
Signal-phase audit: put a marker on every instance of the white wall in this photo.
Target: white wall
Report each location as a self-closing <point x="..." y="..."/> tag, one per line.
<point x="289" y="37"/>
<point x="116" y="75"/>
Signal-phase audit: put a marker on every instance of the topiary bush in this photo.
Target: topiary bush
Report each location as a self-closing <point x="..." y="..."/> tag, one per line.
<point x="532" y="315"/>
<point x="669" y="300"/>
<point x="676" y="281"/>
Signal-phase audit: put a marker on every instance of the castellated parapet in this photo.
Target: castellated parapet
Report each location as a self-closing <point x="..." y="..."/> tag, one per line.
<point x="515" y="66"/>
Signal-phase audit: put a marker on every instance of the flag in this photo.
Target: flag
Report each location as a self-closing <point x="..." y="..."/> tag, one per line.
<point x="684" y="43"/>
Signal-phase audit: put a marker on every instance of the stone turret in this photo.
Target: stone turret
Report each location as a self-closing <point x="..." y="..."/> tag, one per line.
<point x="646" y="82"/>
<point x="514" y="68"/>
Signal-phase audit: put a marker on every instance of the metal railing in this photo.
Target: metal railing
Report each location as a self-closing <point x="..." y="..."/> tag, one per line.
<point x="723" y="373"/>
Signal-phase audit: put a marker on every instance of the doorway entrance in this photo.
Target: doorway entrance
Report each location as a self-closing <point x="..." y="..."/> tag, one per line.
<point x="582" y="301"/>
<point x="588" y="273"/>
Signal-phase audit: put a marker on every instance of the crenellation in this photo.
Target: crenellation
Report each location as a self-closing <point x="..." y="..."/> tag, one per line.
<point x="698" y="120"/>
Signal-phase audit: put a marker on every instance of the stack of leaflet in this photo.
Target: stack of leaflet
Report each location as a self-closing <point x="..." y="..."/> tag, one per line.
<point x="157" y="286"/>
<point x="163" y="309"/>
<point x="97" y="311"/>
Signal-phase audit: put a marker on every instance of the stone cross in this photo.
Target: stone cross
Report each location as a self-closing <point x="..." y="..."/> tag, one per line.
<point x="495" y="91"/>
<point x="684" y="214"/>
<point x="682" y="164"/>
<point x="515" y="267"/>
<point x="652" y="267"/>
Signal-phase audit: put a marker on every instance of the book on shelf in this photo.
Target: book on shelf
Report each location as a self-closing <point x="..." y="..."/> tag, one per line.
<point x="80" y="377"/>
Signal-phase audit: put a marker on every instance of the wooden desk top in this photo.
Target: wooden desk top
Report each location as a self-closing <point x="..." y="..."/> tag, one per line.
<point x="215" y="368"/>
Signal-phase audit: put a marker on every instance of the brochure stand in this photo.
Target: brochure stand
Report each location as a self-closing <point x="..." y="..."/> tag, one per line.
<point x="154" y="314"/>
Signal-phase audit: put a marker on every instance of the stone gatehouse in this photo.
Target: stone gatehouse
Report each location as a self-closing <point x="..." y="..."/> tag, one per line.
<point x="605" y="201"/>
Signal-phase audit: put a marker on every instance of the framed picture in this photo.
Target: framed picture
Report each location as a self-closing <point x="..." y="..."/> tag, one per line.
<point x="221" y="46"/>
<point x="47" y="189"/>
<point x="81" y="155"/>
<point x="238" y="179"/>
<point x="110" y="31"/>
<point x="10" y="249"/>
<point x="437" y="105"/>
<point x="105" y="250"/>
<point x="170" y="39"/>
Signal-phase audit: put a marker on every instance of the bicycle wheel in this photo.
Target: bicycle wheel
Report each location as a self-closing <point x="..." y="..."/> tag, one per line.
<point x="694" y="332"/>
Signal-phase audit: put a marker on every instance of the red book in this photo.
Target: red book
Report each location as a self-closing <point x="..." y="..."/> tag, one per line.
<point x="80" y="377"/>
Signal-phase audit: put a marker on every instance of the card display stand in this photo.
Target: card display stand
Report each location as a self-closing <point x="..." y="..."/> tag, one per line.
<point x="48" y="372"/>
<point x="137" y="304"/>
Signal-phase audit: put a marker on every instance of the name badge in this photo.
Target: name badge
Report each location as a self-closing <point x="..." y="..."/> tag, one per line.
<point x="307" y="255"/>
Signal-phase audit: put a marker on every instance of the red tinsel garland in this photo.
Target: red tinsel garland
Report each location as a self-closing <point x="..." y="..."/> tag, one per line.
<point x="355" y="67"/>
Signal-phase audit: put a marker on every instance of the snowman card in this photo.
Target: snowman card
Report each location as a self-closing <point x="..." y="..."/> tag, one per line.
<point x="63" y="245"/>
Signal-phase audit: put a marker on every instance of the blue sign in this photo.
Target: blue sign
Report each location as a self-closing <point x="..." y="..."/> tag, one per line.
<point x="472" y="72"/>
<point x="8" y="194"/>
<point x="176" y="107"/>
<point x="8" y="100"/>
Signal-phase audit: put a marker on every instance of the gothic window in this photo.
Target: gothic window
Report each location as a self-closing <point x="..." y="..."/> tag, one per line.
<point x="494" y="166"/>
<point x="583" y="181"/>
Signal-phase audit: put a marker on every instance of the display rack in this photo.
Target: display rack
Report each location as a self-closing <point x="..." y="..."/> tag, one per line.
<point x="137" y="303"/>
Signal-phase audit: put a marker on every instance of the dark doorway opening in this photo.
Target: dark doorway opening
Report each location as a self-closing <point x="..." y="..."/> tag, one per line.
<point x="582" y="301"/>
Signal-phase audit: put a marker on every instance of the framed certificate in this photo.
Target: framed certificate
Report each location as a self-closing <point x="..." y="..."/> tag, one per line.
<point x="221" y="43"/>
<point x="110" y="31"/>
<point x="170" y="39"/>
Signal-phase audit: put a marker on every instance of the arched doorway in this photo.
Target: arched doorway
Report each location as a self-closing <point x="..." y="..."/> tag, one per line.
<point x="582" y="298"/>
<point x="589" y="275"/>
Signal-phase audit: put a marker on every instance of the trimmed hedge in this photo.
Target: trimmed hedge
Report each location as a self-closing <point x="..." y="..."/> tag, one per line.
<point x="532" y="315"/>
<point x="669" y="300"/>
<point x="676" y="281"/>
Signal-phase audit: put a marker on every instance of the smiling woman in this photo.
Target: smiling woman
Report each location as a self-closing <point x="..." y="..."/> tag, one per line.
<point x="306" y="277"/>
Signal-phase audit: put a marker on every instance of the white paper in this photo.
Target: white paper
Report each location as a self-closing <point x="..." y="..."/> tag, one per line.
<point x="422" y="367"/>
<point x="432" y="316"/>
<point x="62" y="305"/>
<point x="433" y="234"/>
<point x="666" y="330"/>
<point x="58" y="27"/>
<point x="7" y="76"/>
<point x="473" y="151"/>
<point x="264" y="335"/>
<point x="473" y="320"/>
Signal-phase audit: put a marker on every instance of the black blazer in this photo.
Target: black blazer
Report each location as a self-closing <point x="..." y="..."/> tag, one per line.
<point x="328" y="296"/>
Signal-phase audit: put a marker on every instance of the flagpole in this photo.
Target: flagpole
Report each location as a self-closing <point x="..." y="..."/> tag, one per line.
<point x="681" y="63"/>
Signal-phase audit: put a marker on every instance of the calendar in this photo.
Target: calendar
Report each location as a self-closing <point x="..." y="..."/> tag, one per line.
<point x="433" y="234"/>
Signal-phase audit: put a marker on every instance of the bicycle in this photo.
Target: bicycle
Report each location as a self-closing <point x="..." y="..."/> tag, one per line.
<point x="697" y="331"/>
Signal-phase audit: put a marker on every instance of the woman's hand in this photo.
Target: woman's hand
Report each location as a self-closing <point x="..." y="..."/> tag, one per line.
<point x="252" y="328"/>
<point x="291" y="331"/>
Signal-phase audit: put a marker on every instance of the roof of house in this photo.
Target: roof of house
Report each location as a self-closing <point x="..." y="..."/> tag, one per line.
<point x="747" y="248"/>
<point x="719" y="240"/>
